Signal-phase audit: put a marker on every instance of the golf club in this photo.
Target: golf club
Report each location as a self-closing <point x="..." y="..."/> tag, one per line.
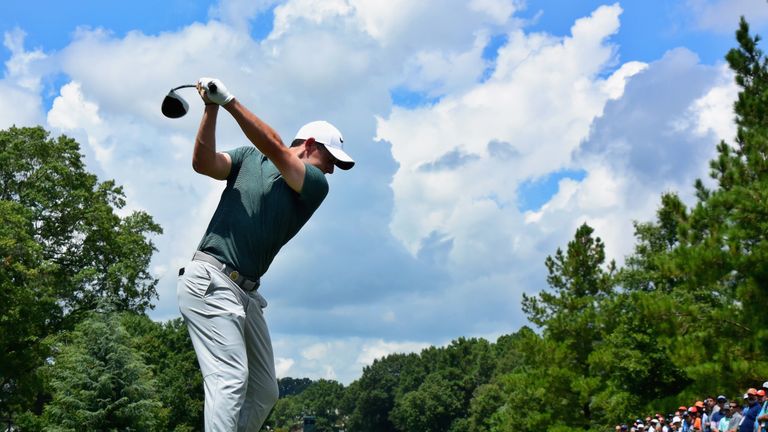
<point x="174" y="106"/>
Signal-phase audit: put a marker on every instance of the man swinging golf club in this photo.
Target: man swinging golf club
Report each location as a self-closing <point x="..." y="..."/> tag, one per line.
<point x="271" y="192"/>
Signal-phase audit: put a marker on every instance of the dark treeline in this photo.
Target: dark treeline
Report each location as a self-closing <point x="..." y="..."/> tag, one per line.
<point x="684" y="318"/>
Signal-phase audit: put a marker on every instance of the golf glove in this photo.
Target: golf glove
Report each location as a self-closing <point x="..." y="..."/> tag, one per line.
<point x="215" y="90"/>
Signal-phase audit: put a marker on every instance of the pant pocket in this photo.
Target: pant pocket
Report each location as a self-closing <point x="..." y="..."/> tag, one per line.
<point x="194" y="283"/>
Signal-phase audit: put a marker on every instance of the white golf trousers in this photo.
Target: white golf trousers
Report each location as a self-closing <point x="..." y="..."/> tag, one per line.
<point x="233" y="348"/>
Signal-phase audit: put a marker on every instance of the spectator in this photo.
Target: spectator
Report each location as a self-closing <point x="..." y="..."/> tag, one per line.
<point x="750" y="414"/>
<point x="705" y="409"/>
<point x="719" y="403"/>
<point x="695" y="418"/>
<point x="762" y="416"/>
<point x="676" y="423"/>
<point x="717" y="415"/>
<point x="725" y="417"/>
<point x="736" y="417"/>
<point x="639" y="426"/>
<point x="664" y="427"/>
<point x="685" y="426"/>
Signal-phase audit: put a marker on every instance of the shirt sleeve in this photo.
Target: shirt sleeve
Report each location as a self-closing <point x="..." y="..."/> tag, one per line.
<point x="315" y="186"/>
<point x="237" y="156"/>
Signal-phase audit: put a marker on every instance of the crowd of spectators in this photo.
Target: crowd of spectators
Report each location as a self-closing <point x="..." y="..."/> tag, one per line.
<point x="748" y="413"/>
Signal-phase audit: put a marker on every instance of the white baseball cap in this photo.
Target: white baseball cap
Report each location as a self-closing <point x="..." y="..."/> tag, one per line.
<point x="327" y="135"/>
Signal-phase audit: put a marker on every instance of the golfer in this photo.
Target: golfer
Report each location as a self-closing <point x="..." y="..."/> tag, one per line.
<point x="271" y="192"/>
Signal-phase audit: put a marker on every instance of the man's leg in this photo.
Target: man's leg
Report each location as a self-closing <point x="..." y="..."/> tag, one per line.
<point x="215" y="318"/>
<point x="262" y="390"/>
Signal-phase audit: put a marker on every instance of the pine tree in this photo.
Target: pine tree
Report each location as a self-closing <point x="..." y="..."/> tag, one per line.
<point x="99" y="382"/>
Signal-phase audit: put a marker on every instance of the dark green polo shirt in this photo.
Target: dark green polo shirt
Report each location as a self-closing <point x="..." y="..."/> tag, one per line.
<point x="258" y="212"/>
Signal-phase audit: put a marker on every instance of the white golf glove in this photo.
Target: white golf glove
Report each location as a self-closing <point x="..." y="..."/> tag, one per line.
<point x="215" y="90"/>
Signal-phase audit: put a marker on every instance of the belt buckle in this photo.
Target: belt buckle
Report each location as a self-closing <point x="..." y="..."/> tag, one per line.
<point x="234" y="275"/>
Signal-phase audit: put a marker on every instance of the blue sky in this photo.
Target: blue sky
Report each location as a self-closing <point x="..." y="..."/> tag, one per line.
<point x="485" y="132"/>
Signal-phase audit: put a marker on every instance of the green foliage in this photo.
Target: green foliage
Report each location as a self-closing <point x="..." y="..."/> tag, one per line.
<point x="287" y="412"/>
<point x="63" y="252"/>
<point x="167" y="349"/>
<point x="99" y="382"/>
<point x="321" y="399"/>
<point x="434" y="406"/>
<point x="92" y="252"/>
<point x="28" y="297"/>
<point x="292" y="386"/>
<point x="370" y="399"/>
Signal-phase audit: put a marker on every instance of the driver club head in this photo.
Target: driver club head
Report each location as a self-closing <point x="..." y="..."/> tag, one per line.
<point x="174" y="106"/>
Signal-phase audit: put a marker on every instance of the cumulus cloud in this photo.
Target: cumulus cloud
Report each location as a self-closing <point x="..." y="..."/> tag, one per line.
<point x="72" y="113"/>
<point x="713" y="112"/>
<point x="239" y="13"/>
<point x="722" y="16"/>
<point x="540" y="101"/>
<point x="657" y="137"/>
<point x="21" y="104"/>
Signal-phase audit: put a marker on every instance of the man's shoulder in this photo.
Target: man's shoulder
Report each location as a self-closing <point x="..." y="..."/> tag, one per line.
<point x="316" y="176"/>
<point x="243" y="152"/>
<point x="315" y="187"/>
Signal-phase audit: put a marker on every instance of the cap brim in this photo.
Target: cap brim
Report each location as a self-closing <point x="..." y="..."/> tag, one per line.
<point x="343" y="160"/>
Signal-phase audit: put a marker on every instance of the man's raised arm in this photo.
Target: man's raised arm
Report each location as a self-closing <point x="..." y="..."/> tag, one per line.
<point x="257" y="131"/>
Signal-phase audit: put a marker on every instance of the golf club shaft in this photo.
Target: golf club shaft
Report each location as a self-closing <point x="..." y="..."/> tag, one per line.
<point x="183" y="86"/>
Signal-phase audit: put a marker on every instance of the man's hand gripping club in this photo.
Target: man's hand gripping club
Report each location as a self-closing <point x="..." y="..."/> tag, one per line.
<point x="266" y="139"/>
<point x="213" y="90"/>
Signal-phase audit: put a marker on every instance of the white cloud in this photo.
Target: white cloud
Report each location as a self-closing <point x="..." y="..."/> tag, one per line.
<point x="438" y="73"/>
<point x="283" y="366"/>
<point x="379" y="348"/>
<point x="649" y="141"/>
<point x="18" y="106"/>
<point x="239" y="13"/>
<point x="313" y="11"/>
<point x="523" y="122"/>
<point x="71" y="113"/>
<point x="340" y="359"/>
<point x="21" y="104"/>
<point x="713" y="112"/>
<point x="501" y="10"/>
<point x="614" y="85"/>
<point x="20" y="67"/>
<point x="316" y="351"/>
<point x="722" y="16"/>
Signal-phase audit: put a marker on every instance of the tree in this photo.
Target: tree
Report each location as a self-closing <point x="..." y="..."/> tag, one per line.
<point x="63" y="250"/>
<point x="370" y="399"/>
<point x="286" y="413"/>
<point x="533" y="387"/>
<point x="322" y="399"/>
<point x="580" y="280"/>
<point x="434" y="406"/>
<point x="167" y="349"/>
<point x="29" y="305"/>
<point x="292" y="386"/>
<point x="712" y="258"/>
<point x="99" y="382"/>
